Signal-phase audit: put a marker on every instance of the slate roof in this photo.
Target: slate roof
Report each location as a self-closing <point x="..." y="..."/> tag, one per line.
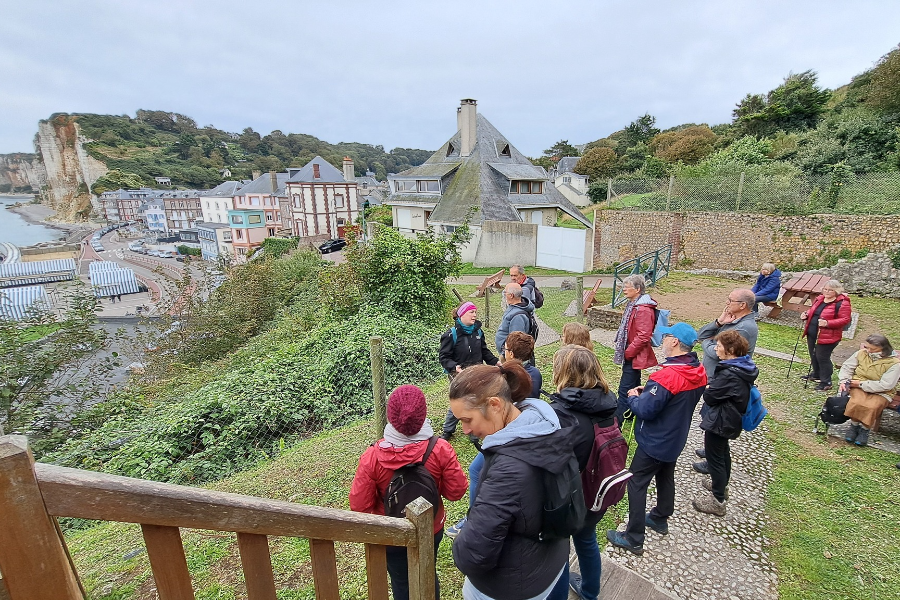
<point x="327" y="173"/>
<point x="480" y="181"/>
<point x="567" y="164"/>
<point x="263" y="185"/>
<point x="224" y="189"/>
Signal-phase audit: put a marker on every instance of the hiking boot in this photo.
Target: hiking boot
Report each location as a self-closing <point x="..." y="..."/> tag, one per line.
<point x="824" y="387"/>
<point x="701" y="452"/>
<point x="453" y="531"/>
<point x="863" y="438"/>
<point x="620" y="540"/>
<point x="808" y="377"/>
<point x="707" y="483"/>
<point x="852" y="433"/>
<point x="708" y="504"/>
<point x="659" y="526"/>
<point x="447" y="435"/>
<point x="575" y="586"/>
<point x="702" y="467"/>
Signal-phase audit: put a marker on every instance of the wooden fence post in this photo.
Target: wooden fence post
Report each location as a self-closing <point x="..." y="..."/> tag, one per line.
<point x="579" y="298"/>
<point x="487" y="307"/>
<point x="376" y="356"/>
<point x="33" y="560"/>
<point x="737" y="205"/>
<point x="421" y="557"/>
<point x="669" y="193"/>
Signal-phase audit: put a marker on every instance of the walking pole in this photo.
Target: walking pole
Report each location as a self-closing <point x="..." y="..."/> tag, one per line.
<point x="794" y="354"/>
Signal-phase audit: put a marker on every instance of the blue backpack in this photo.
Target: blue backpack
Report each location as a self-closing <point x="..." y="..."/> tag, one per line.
<point x="756" y="412"/>
<point x="662" y="320"/>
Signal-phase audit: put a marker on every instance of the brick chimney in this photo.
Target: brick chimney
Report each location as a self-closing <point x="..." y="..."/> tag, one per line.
<point x="467" y="113"/>
<point x="274" y="178"/>
<point x="349" y="174"/>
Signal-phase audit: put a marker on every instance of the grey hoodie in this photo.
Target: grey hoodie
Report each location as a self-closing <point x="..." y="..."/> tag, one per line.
<point x="746" y="326"/>
<point x="514" y="319"/>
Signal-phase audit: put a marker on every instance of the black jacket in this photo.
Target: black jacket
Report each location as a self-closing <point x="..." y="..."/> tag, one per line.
<point x="469" y="349"/>
<point x="581" y="409"/>
<point x="726" y="397"/>
<point x="498" y="549"/>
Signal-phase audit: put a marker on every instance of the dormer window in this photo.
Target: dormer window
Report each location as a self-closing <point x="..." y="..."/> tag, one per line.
<point x="429" y="186"/>
<point x="405" y="186"/>
<point x="450" y="149"/>
<point x="316" y="172"/>
<point x="525" y="187"/>
<point x="505" y="151"/>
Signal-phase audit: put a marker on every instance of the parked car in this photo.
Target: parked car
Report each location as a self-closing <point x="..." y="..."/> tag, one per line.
<point x="333" y="245"/>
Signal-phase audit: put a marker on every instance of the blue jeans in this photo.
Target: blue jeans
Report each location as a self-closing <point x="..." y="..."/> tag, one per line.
<point x="588" y="551"/>
<point x="631" y="378"/>
<point x="475" y="476"/>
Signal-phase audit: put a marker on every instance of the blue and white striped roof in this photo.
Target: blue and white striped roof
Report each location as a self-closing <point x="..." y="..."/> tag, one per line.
<point x="17" y="303"/>
<point x="42" y="271"/>
<point x="108" y="278"/>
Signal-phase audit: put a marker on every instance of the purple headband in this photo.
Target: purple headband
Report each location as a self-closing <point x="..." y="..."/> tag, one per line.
<point x="465" y="308"/>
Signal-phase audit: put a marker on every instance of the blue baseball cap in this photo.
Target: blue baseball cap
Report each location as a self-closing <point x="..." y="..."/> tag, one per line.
<point x="683" y="332"/>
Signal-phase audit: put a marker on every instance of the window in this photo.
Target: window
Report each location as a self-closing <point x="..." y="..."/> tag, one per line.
<point x="505" y="151"/>
<point x="341" y="222"/>
<point x="271" y="231"/>
<point x="237" y="219"/>
<point x="450" y="149"/>
<point x="339" y="201"/>
<point x="567" y="180"/>
<point x="269" y="216"/>
<point x="254" y="201"/>
<point x="406" y="186"/>
<point x="525" y="187"/>
<point x="240" y="234"/>
<point x="429" y="186"/>
<point x="253" y="219"/>
<point x="449" y="228"/>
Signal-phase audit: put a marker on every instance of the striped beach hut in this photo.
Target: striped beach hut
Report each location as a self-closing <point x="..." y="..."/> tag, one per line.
<point x="18" y="303"/>
<point x="108" y="278"/>
<point x="41" y="271"/>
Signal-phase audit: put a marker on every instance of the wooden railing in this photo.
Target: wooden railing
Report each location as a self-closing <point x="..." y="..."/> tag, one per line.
<point x="35" y="563"/>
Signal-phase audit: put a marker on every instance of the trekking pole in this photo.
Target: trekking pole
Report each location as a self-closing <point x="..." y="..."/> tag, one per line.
<point x="794" y="354"/>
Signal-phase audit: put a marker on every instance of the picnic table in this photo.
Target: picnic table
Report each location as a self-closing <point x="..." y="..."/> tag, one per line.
<point x="799" y="293"/>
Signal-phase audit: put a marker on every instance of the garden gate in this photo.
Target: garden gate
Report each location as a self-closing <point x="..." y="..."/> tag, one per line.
<point x="560" y="248"/>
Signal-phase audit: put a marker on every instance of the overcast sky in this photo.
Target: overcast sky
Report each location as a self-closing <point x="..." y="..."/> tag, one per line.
<point x="392" y="73"/>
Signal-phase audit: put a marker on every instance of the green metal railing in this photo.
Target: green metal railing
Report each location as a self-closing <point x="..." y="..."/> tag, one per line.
<point x="652" y="265"/>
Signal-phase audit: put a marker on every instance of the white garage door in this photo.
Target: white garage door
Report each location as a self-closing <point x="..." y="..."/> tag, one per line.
<point x="404" y="218"/>
<point x="561" y="248"/>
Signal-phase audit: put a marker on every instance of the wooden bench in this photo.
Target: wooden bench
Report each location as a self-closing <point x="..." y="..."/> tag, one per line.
<point x="587" y="297"/>
<point x="799" y="293"/>
<point x="490" y="281"/>
<point x="892" y="405"/>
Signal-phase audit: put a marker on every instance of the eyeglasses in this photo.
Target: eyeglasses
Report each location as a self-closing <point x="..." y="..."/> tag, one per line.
<point x="730" y="301"/>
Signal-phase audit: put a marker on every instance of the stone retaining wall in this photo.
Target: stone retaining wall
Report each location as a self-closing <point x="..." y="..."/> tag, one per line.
<point x="873" y="274"/>
<point x="740" y="241"/>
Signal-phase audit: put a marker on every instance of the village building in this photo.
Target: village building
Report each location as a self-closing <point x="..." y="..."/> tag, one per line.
<point x="215" y="203"/>
<point x="182" y="209"/>
<point x="324" y="202"/>
<point x="480" y="177"/>
<point x="215" y="241"/>
<point x="154" y="216"/>
<point x="256" y="214"/>
<point x="569" y="183"/>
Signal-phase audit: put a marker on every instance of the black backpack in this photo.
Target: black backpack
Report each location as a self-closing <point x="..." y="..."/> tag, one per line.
<point x="832" y="412"/>
<point x="564" y="511"/>
<point x="410" y="482"/>
<point x="532" y="323"/>
<point x="538" y="297"/>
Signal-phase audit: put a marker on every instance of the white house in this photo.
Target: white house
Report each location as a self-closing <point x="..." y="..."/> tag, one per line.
<point x="570" y="184"/>
<point x="324" y="202"/>
<point x="215" y="203"/>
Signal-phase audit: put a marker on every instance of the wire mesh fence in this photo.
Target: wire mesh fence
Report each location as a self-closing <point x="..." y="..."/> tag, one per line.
<point x="787" y="194"/>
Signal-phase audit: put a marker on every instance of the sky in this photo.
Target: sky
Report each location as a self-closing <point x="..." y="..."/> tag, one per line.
<point x="393" y="73"/>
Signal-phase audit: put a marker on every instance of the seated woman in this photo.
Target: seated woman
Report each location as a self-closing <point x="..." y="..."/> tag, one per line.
<point x="871" y="376"/>
<point x="498" y="550"/>
<point x="767" y="286"/>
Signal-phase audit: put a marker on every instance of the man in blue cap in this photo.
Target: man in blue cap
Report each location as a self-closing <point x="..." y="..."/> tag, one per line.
<point x="664" y="409"/>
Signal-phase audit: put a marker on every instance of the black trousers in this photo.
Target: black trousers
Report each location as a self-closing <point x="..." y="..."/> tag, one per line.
<point x="644" y="469"/>
<point x="820" y="357"/>
<point x="398" y="569"/>
<point x="718" y="456"/>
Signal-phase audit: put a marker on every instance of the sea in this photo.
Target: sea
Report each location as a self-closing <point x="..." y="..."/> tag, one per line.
<point x="16" y="230"/>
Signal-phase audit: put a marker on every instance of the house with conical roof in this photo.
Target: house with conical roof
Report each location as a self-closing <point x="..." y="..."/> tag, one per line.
<point x="478" y="174"/>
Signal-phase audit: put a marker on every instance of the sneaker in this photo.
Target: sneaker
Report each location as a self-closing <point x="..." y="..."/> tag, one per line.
<point x="823" y="387"/>
<point x="659" y="526"/>
<point x="701" y="452"/>
<point x="575" y="585"/>
<point x="702" y="467"/>
<point x="454" y="530"/>
<point x="707" y="484"/>
<point x="620" y="540"/>
<point x="708" y="504"/>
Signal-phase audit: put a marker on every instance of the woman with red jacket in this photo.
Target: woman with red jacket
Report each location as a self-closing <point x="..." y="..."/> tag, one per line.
<point x="824" y="324"/>
<point x="633" y="349"/>
<point x="406" y="438"/>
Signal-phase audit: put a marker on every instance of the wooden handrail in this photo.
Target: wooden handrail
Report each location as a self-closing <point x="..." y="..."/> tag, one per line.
<point x="89" y="495"/>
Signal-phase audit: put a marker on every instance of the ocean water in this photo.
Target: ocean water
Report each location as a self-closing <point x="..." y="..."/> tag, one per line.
<point x="16" y="230"/>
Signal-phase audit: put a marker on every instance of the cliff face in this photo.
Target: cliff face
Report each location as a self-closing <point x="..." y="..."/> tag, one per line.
<point x="21" y="172"/>
<point x="70" y="171"/>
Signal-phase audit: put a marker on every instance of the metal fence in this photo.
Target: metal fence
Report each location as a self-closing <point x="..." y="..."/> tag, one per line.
<point x="653" y="265"/>
<point x="785" y="194"/>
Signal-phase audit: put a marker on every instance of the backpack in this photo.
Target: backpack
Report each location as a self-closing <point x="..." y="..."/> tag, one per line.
<point x="837" y="307"/>
<point x="563" y="512"/>
<point x="532" y="323"/>
<point x="662" y="320"/>
<point x="755" y="412"/>
<point x="605" y="476"/>
<point x="538" y="297"/>
<point x="408" y="483"/>
<point x="832" y="412"/>
<point x="455" y="335"/>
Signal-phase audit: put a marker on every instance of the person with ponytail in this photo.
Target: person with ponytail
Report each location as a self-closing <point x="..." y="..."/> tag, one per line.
<point x="498" y="550"/>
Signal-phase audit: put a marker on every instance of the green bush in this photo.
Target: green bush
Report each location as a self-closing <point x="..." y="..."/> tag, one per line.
<point x="188" y="251"/>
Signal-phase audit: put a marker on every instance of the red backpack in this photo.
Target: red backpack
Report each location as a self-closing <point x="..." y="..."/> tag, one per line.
<point x="605" y="477"/>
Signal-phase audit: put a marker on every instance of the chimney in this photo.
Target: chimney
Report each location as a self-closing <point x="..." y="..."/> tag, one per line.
<point x="274" y="179"/>
<point x="256" y="174"/>
<point x="316" y="171"/>
<point x="467" y="114"/>
<point x="349" y="174"/>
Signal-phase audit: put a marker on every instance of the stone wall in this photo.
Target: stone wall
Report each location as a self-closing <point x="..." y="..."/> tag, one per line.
<point x="740" y="241"/>
<point x="873" y="274"/>
<point x="506" y="243"/>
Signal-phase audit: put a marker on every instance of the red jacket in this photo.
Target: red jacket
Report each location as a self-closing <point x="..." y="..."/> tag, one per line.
<point x="377" y="466"/>
<point x="836" y="319"/>
<point x="640" y="326"/>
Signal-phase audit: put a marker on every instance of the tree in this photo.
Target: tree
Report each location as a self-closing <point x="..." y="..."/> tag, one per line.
<point x="598" y="163"/>
<point x="560" y="149"/>
<point x="689" y="145"/>
<point x="884" y="90"/>
<point x="634" y="158"/>
<point x="639" y="131"/>
<point x="795" y="105"/>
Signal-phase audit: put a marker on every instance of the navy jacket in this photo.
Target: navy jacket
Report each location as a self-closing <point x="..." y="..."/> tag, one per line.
<point x="727" y="396"/>
<point x="768" y="286"/>
<point x="665" y="408"/>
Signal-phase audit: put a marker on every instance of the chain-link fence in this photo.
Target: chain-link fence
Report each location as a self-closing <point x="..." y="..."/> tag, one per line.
<point x="786" y="194"/>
